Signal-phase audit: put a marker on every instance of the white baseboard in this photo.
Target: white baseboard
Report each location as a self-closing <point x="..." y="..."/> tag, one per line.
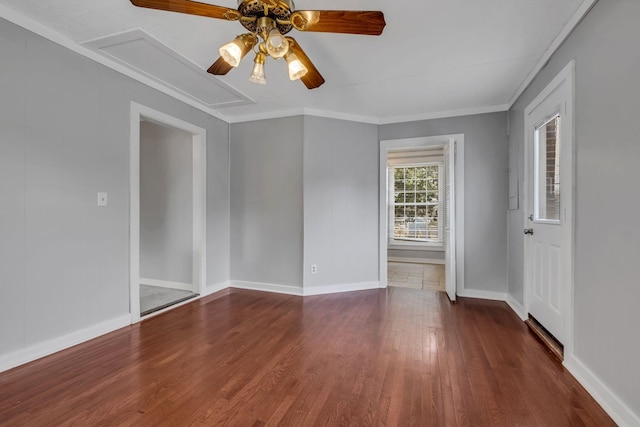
<point x="622" y="414"/>
<point x="267" y="287"/>
<point x="517" y="308"/>
<point x="332" y="289"/>
<point x="299" y="291"/>
<point x="215" y="287"/>
<point x="46" y="348"/>
<point x="167" y="284"/>
<point x="478" y="293"/>
<point x="415" y="260"/>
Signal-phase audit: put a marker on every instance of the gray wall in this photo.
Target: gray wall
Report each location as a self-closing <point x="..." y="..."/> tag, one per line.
<point x="340" y="201"/>
<point x="64" y="136"/>
<point x="166" y="203"/>
<point x="607" y="230"/>
<point x="486" y="191"/>
<point x="266" y="201"/>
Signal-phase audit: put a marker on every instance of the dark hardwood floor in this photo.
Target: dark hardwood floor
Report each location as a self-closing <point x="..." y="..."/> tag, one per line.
<point x="396" y="357"/>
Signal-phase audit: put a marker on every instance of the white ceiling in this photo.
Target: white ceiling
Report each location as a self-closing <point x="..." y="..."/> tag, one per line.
<point x="435" y="57"/>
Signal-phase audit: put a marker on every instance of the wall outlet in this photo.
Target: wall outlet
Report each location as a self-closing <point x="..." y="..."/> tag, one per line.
<point x="314" y="268"/>
<point x="102" y="199"/>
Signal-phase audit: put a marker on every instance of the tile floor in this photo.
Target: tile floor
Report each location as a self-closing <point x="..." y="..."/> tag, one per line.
<point x="416" y="276"/>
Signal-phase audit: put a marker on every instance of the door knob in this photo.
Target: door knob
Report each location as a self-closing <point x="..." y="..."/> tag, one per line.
<point x="528" y="231"/>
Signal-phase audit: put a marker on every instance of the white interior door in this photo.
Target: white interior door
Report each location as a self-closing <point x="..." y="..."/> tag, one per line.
<point x="549" y="213"/>
<point x="449" y="222"/>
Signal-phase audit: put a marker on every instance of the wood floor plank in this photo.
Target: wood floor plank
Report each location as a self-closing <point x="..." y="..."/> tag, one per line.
<point x="380" y="357"/>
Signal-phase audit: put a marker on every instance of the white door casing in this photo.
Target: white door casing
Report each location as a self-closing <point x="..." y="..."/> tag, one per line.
<point x="450" y="220"/>
<point x="199" y="138"/>
<point x="457" y="251"/>
<point x="548" y="208"/>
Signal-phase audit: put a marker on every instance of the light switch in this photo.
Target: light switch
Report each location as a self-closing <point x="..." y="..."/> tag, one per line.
<point x="102" y="199"/>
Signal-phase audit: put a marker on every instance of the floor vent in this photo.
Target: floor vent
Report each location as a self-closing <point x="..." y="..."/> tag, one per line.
<point x="554" y="346"/>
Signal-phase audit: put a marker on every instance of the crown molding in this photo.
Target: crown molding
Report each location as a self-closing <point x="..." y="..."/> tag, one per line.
<point x="341" y="116"/>
<point x="61" y="40"/>
<point x="277" y="114"/>
<point x="577" y="17"/>
<point x="445" y="114"/>
<point x="366" y="119"/>
<point x="266" y="115"/>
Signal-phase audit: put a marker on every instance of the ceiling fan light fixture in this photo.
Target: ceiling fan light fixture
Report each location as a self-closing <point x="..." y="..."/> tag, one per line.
<point x="297" y="69"/>
<point x="267" y="23"/>
<point x="234" y="51"/>
<point x="257" y="75"/>
<point x="277" y="46"/>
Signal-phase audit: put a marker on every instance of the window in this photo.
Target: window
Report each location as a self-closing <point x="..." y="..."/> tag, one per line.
<point x="417" y="196"/>
<point x="547" y="170"/>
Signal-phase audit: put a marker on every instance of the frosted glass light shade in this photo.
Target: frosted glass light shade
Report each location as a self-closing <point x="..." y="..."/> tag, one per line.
<point x="257" y="75"/>
<point x="232" y="53"/>
<point x="296" y="68"/>
<point x="277" y="46"/>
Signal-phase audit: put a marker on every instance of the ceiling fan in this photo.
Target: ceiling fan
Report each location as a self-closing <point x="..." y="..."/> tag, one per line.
<point x="269" y="21"/>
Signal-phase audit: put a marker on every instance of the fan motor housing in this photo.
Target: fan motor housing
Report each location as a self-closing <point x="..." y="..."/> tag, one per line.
<point x="278" y="10"/>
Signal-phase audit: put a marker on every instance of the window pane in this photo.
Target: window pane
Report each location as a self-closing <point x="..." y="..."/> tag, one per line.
<point x="421" y="211"/>
<point x="410" y="198"/>
<point x="432" y="197"/>
<point x="398" y="179"/>
<point x="410" y="173"/>
<point x="421" y="184"/>
<point x="421" y="173"/>
<point x="398" y="229"/>
<point x="410" y="211"/>
<point x="421" y="197"/>
<point x="399" y="197"/>
<point x="432" y="178"/>
<point x="433" y="229"/>
<point x="410" y="179"/>
<point x="547" y="164"/>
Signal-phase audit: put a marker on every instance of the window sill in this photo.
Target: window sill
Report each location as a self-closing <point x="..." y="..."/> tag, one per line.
<point x="416" y="246"/>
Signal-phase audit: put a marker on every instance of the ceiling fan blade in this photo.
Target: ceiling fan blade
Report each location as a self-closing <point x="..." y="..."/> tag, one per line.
<point x="339" y="21"/>
<point x="220" y="67"/>
<point x="313" y="78"/>
<point x="189" y="7"/>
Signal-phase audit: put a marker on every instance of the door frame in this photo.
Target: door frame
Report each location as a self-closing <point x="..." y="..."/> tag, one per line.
<point x="564" y="77"/>
<point x="456" y="145"/>
<point x="199" y="137"/>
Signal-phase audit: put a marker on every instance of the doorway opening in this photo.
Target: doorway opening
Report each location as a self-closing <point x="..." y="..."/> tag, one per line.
<point x="416" y="200"/>
<point x="421" y="222"/>
<point x="167" y="212"/>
